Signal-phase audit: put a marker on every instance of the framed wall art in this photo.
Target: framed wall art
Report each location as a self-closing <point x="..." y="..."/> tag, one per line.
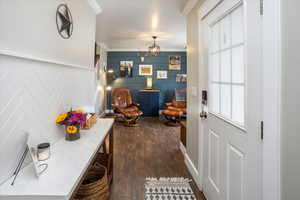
<point x="174" y="62"/>
<point x="162" y="74"/>
<point x="126" y="68"/>
<point x="181" y="78"/>
<point x="145" y="70"/>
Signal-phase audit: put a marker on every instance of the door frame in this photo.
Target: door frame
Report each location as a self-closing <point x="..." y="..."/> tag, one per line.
<point x="272" y="99"/>
<point x="271" y="94"/>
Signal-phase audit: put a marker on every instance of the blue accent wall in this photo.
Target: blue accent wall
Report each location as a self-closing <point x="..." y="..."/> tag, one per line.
<point x="136" y="82"/>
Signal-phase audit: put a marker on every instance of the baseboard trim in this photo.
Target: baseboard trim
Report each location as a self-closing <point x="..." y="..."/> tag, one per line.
<point x="182" y="148"/>
<point x="193" y="170"/>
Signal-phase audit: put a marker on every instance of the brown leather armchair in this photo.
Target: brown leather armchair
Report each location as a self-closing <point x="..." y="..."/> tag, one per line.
<point x="175" y="110"/>
<point x="122" y="103"/>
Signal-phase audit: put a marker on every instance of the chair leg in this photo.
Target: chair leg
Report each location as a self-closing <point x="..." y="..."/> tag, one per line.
<point x="172" y="121"/>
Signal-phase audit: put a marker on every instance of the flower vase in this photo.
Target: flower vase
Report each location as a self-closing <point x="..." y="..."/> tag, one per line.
<point x="72" y="132"/>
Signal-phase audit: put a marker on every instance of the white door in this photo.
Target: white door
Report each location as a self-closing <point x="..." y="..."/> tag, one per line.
<point x="232" y="144"/>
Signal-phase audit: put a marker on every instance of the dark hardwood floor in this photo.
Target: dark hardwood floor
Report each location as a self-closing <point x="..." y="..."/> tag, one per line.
<point x="151" y="150"/>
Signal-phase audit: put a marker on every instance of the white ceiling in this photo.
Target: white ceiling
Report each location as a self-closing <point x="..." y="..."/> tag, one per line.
<point x="130" y="24"/>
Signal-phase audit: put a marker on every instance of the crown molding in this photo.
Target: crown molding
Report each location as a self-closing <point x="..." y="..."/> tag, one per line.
<point x="189" y="6"/>
<point x="146" y="50"/>
<point x="95" y="6"/>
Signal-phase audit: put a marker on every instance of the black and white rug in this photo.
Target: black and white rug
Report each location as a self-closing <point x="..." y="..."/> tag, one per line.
<point x="176" y="188"/>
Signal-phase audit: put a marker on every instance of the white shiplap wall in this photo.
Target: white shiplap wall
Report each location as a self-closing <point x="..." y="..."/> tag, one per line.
<point x="33" y="90"/>
<point x="32" y="93"/>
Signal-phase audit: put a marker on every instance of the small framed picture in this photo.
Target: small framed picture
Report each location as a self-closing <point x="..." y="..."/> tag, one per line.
<point x="181" y="78"/>
<point x="174" y="62"/>
<point x="145" y="70"/>
<point x="162" y="74"/>
<point x="126" y="68"/>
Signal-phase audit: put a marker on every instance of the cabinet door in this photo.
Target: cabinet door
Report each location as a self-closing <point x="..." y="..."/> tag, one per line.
<point x="149" y="103"/>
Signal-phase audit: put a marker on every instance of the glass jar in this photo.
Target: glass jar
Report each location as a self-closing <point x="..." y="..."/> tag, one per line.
<point x="43" y="151"/>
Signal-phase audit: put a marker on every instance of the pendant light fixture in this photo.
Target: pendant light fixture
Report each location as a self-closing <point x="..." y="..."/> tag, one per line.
<point x="154" y="49"/>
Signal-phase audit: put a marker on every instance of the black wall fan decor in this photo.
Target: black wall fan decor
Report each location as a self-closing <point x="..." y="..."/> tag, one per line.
<point x="64" y="21"/>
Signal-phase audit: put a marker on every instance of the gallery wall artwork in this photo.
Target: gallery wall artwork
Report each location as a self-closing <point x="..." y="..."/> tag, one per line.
<point x="174" y="62"/>
<point x="181" y="78"/>
<point x="145" y="70"/>
<point x="162" y="74"/>
<point x="126" y="68"/>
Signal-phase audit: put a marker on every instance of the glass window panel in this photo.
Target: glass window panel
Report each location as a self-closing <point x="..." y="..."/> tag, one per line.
<point x="226" y="101"/>
<point x="215" y="67"/>
<point x="238" y="65"/>
<point x="225" y="30"/>
<point x="225" y="66"/>
<point x="237" y="26"/>
<point x="215" y="98"/>
<point x="215" y="38"/>
<point x="238" y="104"/>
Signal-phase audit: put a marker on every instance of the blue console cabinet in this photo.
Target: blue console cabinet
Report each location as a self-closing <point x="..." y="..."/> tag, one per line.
<point x="149" y="102"/>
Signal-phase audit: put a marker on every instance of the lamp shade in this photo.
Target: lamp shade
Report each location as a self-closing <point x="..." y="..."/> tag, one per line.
<point x="108" y="88"/>
<point x="149" y="83"/>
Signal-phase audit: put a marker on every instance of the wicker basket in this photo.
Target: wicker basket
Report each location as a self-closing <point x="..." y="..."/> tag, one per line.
<point x="104" y="159"/>
<point x="95" y="186"/>
<point x="90" y="121"/>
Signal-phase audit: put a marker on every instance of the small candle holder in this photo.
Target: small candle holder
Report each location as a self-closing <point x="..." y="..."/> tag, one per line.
<point x="43" y="151"/>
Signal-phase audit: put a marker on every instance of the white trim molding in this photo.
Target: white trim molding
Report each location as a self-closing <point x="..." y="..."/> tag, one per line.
<point x="45" y="60"/>
<point x="192" y="169"/>
<point x="146" y="50"/>
<point x="190" y="4"/>
<point x="182" y="148"/>
<point x="272" y="64"/>
<point x="207" y="7"/>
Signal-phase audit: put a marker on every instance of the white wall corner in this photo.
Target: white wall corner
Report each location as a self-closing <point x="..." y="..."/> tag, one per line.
<point x="193" y="170"/>
<point x="190" y="4"/>
<point x="102" y="45"/>
<point x="95" y="6"/>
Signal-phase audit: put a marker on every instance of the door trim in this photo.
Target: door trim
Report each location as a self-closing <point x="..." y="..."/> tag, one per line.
<point x="272" y="99"/>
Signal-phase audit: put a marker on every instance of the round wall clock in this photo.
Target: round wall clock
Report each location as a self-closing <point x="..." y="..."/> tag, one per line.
<point x="64" y="21"/>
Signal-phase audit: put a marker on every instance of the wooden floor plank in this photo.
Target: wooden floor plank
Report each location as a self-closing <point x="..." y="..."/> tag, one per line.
<point x="151" y="150"/>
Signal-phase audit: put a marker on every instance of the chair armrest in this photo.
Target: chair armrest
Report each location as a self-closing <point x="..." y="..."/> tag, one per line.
<point x="168" y="104"/>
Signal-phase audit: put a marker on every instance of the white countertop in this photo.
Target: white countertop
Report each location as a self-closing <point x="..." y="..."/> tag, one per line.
<point x="67" y="165"/>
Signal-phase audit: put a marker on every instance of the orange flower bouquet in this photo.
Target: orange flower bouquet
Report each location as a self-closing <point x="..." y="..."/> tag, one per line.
<point x="72" y="120"/>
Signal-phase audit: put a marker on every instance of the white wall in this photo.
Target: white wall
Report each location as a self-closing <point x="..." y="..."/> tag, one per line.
<point x="195" y="78"/>
<point x="101" y="80"/>
<point x="29" y="28"/>
<point x="33" y="92"/>
<point x="193" y="69"/>
<point x="290" y="141"/>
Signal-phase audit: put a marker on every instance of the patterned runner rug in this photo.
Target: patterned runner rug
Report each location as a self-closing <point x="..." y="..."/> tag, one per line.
<point x="176" y="188"/>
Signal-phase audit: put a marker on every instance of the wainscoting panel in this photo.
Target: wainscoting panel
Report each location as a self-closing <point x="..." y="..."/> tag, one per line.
<point x="31" y="95"/>
<point x="235" y="173"/>
<point x="214" y="160"/>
